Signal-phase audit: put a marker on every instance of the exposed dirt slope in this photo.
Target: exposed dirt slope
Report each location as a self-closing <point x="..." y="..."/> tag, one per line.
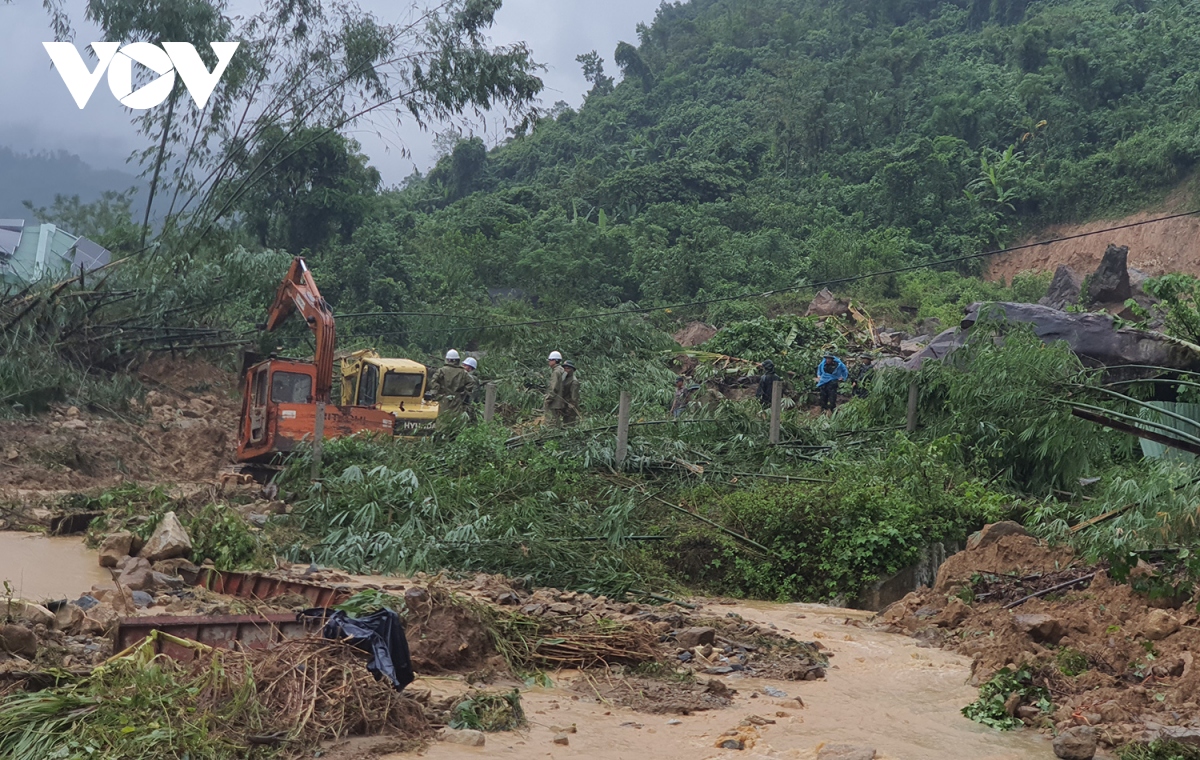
<point x="184" y="432"/>
<point x="1156" y="249"/>
<point x="1110" y="657"/>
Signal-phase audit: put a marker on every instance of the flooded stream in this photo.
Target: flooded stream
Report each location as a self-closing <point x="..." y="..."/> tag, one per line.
<point x="882" y="691"/>
<point x="48" y="567"/>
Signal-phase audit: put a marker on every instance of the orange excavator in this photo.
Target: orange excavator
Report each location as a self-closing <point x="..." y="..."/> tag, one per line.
<point x="281" y="398"/>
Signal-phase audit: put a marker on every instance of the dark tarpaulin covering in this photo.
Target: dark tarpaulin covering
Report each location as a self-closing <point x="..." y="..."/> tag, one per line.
<point x="380" y="634"/>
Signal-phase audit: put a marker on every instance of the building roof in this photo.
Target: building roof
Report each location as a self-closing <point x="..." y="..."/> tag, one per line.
<point x="31" y="251"/>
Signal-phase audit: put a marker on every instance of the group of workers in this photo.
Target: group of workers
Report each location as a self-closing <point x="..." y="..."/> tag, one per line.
<point x="831" y="371"/>
<point x="456" y="387"/>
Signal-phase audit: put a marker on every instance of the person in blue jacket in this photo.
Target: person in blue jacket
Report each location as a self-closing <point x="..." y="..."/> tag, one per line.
<point x="830" y="372"/>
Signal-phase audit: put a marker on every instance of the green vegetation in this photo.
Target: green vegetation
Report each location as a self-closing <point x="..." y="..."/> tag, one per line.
<point x="1071" y="662"/>
<point x="989" y="708"/>
<point x="130" y="709"/>
<point x="754" y="145"/>
<point x="1160" y="750"/>
<point x="489" y="711"/>
<point x="871" y="518"/>
<point x="1005" y="403"/>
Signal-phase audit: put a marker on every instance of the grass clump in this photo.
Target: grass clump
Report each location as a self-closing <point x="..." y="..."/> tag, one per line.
<point x="1071" y="662"/>
<point x="989" y="708"/>
<point x="1160" y="750"/>
<point x="489" y="711"/>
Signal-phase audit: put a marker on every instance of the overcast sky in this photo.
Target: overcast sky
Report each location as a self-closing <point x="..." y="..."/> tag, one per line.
<point x="37" y="112"/>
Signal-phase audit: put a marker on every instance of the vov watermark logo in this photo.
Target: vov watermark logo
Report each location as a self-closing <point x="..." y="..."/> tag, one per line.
<point x="166" y="61"/>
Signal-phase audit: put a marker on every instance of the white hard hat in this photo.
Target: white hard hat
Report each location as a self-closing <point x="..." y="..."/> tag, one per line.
<point x="555" y="357"/>
<point x="451" y="355"/>
<point x="470" y="362"/>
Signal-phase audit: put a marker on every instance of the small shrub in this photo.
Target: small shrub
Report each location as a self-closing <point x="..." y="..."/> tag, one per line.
<point x="989" y="708"/>
<point x="1071" y="662"/>
<point x="489" y="711"/>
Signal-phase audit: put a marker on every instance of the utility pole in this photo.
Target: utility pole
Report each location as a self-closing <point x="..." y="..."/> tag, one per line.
<point x="776" y="403"/>
<point x="318" y="440"/>
<point x="489" y="402"/>
<point x="623" y="427"/>
<point x="912" y="407"/>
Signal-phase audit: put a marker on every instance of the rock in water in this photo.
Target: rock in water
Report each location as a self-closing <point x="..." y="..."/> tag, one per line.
<point x="466" y="736"/>
<point x="1159" y="625"/>
<point x="1064" y="289"/>
<point x="116" y="547"/>
<point x="136" y="574"/>
<point x="169" y="541"/>
<point x="1110" y="283"/>
<point x="1077" y="743"/>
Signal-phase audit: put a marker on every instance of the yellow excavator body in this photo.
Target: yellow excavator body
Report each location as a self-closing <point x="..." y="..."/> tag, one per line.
<point x="391" y="385"/>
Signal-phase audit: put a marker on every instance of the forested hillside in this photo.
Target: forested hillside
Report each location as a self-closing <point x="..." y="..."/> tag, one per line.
<point x="753" y="144"/>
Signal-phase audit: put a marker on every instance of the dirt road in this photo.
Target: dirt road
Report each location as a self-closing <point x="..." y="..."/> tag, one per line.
<point x="882" y="692"/>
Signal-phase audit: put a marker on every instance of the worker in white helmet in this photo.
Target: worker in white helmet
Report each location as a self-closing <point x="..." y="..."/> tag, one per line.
<point x="449" y="387"/>
<point x="556" y="400"/>
<point x="470" y="365"/>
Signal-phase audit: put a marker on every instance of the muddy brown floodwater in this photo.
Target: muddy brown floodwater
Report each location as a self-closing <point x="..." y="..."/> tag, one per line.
<point x="48" y="567"/>
<point x="882" y="691"/>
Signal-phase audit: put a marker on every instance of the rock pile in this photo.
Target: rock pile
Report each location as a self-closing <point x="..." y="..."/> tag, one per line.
<point x="1120" y="666"/>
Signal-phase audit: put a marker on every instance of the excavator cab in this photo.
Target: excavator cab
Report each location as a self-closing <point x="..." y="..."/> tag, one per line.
<point x="281" y="397"/>
<point x="278" y="411"/>
<point x="393" y="385"/>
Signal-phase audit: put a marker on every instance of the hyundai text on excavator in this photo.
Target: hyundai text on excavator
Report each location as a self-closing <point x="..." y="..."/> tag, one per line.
<point x="281" y="397"/>
<point x="393" y="385"/>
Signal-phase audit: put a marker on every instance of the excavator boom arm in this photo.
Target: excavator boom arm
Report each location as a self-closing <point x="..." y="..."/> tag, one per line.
<point x="298" y="293"/>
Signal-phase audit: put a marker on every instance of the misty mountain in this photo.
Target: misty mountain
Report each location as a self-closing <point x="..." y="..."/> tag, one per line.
<point x="38" y="177"/>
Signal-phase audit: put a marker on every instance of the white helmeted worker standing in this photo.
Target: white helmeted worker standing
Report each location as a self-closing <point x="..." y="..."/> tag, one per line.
<point x="556" y="401"/>
<point x="449" y="386"/>
<point x="470" y="365"/>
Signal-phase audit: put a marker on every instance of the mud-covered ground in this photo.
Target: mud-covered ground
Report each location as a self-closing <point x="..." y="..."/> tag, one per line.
<point x="181" y="432"/>
<point x="1110" y="657"/>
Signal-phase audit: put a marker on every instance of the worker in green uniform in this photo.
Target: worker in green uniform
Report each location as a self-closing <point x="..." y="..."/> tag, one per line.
<point x="570" y="394"/>
<point x="556" y="402"/>
<point x="449" y="387"/>
<point x="474" y="386"/>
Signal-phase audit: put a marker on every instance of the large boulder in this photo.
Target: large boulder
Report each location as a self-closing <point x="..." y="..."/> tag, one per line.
<point x="993" y="532"/>
<point x="1092" y="337"/>
<point x="117" y="546"/>
<point x="137" y="575"/>
<point x="169" y="541"/>
<point x="1077" y="743"/>
<point x="18" y="640"/>
<point x="826" y="304"/>
<point x="1064" y="288"/>
<point x="19" y="609"/>
<point x="1110" y="282"/>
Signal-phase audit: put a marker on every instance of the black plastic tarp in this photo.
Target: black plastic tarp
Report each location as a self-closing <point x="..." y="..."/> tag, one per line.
<point x="380" y="634"/>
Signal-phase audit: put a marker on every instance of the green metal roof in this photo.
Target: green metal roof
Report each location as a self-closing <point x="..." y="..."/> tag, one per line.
<point x="31" y="251"/>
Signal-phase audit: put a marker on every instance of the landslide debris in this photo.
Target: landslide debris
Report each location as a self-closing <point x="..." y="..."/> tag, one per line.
<point x="182" y="431"/>
<point x="1111" y="658"/>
